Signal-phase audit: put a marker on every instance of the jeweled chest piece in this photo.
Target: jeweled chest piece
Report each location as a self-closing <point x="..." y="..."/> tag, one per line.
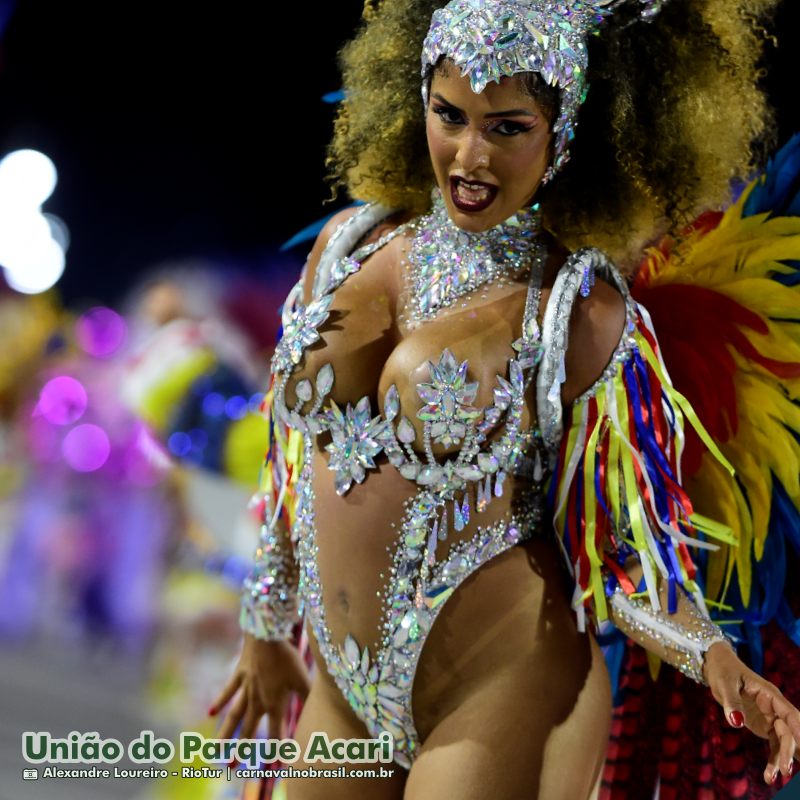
<point x="447" y="263"/>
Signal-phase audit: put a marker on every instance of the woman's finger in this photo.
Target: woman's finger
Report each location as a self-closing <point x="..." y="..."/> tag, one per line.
<point x="782" y="748"/>
<point x="771" y="702"/>
<point x="275" y="716"/>
<point x="302" y="682"/>
<point x="727" y="693"/>
<point x="788" y="747"/>
<point x="225" y="695"/>
<point x="233" y="717"/>
<point x="250" y="722"/>
<point x="772" y="768"/>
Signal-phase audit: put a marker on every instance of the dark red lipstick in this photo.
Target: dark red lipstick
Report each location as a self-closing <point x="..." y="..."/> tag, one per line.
<point x="463" y="202"/>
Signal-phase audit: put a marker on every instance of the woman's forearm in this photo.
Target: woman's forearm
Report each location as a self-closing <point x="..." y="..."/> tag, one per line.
<point x="681" y="638"/>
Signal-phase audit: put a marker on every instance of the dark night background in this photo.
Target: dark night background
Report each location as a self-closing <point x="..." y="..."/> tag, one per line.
<point x="188" y="130"/>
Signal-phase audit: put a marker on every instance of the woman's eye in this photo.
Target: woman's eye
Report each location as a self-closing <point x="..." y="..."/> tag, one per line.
<point x="448" y="115"/>
<point x="509" y="128"/>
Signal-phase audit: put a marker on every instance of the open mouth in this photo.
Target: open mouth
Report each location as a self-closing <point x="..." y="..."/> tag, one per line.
<point x="471" y="195"/>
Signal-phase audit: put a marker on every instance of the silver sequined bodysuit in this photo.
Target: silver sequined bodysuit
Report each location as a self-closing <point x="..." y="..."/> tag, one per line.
<point x="448" y="490"/>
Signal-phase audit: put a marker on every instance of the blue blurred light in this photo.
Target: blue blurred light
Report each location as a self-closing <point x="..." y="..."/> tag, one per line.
<point x="236" y="407"/>
<point x="213" y="404"/>
<point x="179" y="444"/>
<point x="255" y="402"/>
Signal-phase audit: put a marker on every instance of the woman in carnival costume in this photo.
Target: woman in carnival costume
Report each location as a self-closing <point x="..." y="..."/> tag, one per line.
<point x="475" y="460"/>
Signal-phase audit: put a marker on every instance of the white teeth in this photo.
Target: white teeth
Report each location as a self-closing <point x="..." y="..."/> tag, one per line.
<point x="471" y="192"/>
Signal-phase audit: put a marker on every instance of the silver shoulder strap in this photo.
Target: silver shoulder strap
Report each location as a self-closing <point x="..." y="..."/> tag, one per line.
<point x="344" y="239"/>
<point x="577" y="269"/>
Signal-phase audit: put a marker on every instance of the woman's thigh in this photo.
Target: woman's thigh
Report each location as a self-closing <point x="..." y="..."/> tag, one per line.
<point x="507" y="741"/>
<point x="321" y="714"/>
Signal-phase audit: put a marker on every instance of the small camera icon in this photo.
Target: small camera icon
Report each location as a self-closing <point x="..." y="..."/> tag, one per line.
<point x="30" y="774"/>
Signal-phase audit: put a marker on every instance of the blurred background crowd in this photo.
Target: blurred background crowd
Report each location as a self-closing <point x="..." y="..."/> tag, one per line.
<point x="154" y="158"/>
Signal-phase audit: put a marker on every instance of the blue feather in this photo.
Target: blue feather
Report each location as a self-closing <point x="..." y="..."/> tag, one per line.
<point x="307" y="234"/>
<point x="310" y="232"/>
<point x="778" y="190"/>
<point x="792" y="279"/>
<point x="789" y="623"/>
<point x="333" y="97"/>
<point x="612" y="645"/>
<point x="769" y="589"/>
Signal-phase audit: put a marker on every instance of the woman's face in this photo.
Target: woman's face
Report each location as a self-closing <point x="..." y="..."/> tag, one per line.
<point x="489" y="150"/>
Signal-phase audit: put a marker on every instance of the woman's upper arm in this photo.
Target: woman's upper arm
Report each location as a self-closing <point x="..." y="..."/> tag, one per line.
<point x="596" y="327"/>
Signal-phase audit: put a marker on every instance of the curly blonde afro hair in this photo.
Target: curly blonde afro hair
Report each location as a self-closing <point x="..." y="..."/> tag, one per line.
<point x="674" y="114"/>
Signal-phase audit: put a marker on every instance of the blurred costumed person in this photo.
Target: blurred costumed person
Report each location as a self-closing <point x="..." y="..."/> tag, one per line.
<point x="193" y="374"/>
<point x="479" y="465"/>
<point x="94" y="509"/>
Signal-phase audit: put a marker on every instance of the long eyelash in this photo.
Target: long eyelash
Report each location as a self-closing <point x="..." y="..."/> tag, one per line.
<point x="515" y="127"/>
<point x="441" y="111"/>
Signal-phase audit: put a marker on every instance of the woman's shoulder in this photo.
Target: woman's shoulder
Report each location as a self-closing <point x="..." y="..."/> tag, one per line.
<point x="346" y="232"/>
<point x="591" y="299"/>
<point x="365" y="224"/>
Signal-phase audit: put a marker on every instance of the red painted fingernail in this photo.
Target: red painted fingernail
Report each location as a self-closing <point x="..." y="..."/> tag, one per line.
<point x="736" y="719"/>
<point x="791" y="769"/>
<point x="212" y="710"/>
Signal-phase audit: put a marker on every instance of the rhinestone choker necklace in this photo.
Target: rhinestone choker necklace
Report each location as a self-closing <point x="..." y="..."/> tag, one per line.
<point x="447" y="262"/>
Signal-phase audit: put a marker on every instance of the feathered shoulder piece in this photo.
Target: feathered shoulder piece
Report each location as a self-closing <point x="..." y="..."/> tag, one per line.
<point x="725" y="300"/>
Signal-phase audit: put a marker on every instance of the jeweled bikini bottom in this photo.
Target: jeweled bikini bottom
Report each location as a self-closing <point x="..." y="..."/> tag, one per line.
<point x="379" y="689"/>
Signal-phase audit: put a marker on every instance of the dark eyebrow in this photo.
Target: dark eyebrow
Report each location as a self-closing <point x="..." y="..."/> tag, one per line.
<point x="514" y="112"/>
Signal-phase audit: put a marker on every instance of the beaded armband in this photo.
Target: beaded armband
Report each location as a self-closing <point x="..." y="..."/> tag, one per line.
<point x="269" y="605"/>
<point x="685" y="643"/>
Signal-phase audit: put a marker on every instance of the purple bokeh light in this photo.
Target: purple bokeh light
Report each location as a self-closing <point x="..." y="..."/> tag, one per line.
<point x="86" y="448"/>
<point x="100" y="332"/>
<point x="62" y="401"/>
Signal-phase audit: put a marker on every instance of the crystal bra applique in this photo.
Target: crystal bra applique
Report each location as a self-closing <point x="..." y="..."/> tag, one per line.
<point x="447" y="413"/>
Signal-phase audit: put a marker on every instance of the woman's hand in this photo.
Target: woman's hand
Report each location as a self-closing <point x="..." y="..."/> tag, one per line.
<point x="265" y="676"/>
<point x="750" y="700"/>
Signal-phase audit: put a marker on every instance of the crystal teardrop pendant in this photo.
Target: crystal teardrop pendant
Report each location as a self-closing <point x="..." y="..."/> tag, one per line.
<point x="458" y="519"/>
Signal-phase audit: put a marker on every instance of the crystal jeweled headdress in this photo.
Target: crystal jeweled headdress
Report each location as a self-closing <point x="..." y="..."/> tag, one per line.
<point x="489" y="39"/>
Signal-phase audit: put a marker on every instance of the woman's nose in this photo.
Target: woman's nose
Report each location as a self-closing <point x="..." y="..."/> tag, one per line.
<point x="472" y="153"/>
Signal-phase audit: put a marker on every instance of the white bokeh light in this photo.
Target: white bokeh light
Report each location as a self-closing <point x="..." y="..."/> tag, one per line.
<point x="19" y="234"/>
<point x="34" y="261"/>
<point x="27" y="179"/>
<point x="32" y="244"/>
<point x="37" y="268"/>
